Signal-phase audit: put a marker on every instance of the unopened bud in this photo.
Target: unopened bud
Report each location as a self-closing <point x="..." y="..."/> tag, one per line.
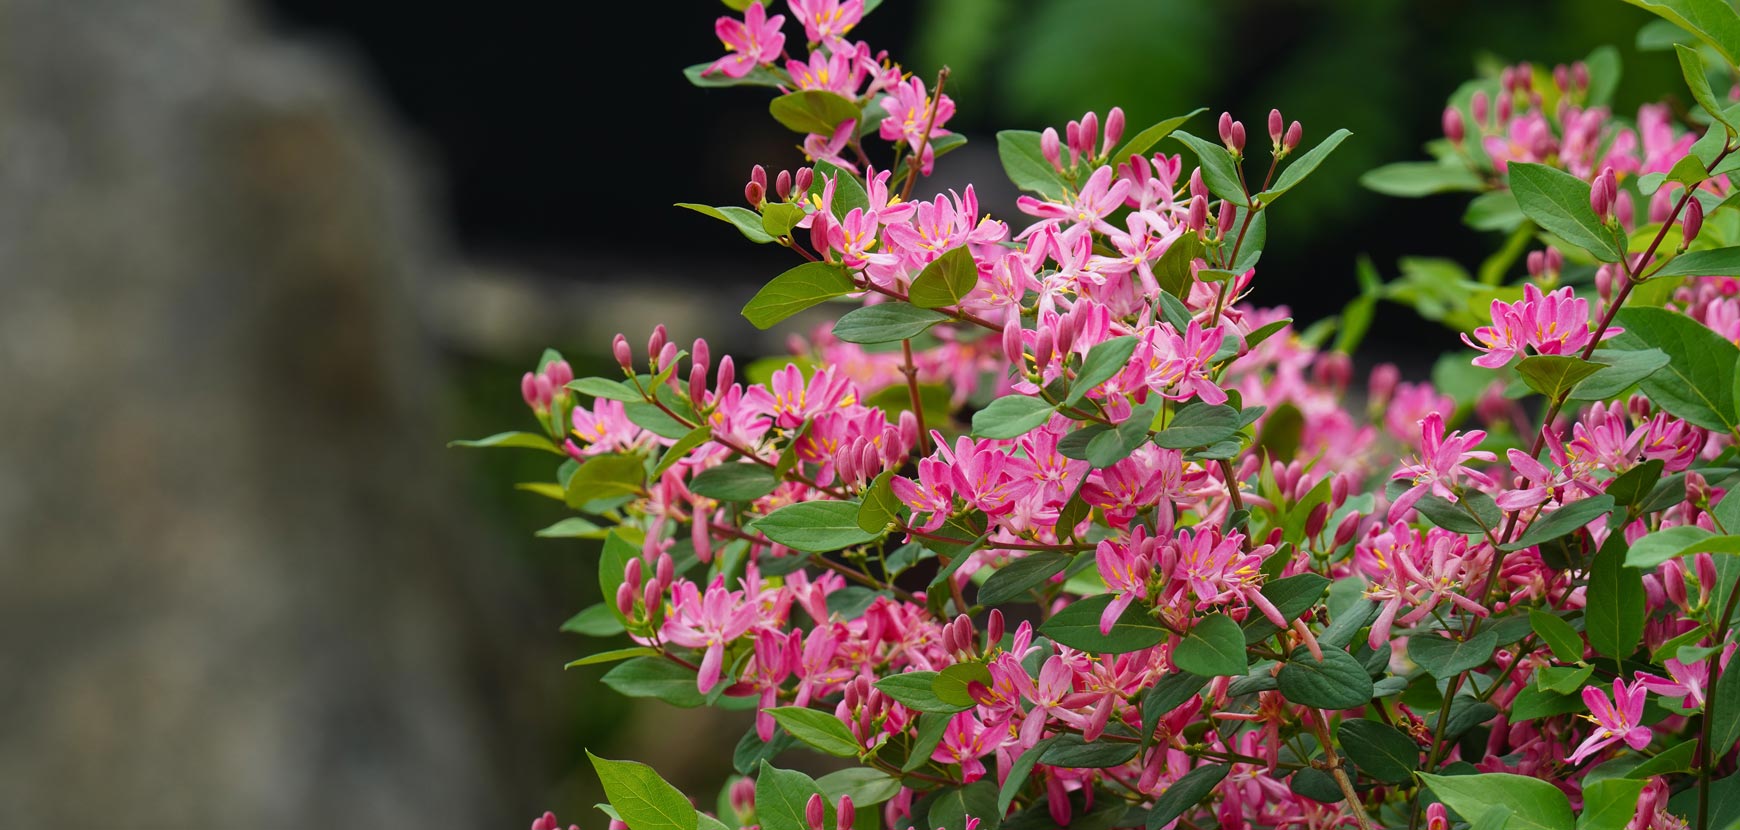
<point x="1580" y="75"/>
<point x="1012" y="343"/>
<point x="1562" y="77"/>
<point x="1504" y="107"/>
<point x="782" y="185"/>
<point x="631" y="573"/>
<point x="844" y="815"/>
<point x="625" y="600"/>
<point x="802" y="180"/>
<point x="742" y="796"/>
<point x="1345" y="531"/>
<point x="1114" y="130"/>
<point x="1090" y="133"/>
<point x="994" y="628"/>
<point x="697" y="384"/>
<point x="667" y="570"/>
<point x="1694" y="220"/>
<point x="1238" y="138"/>
<point x="815" y="812"/>
<point x="1295" y="134"/>
<point x="1383" y="384"/>
<point x="653" y="597"/>
<point x="1453" y="127"/>
<point x="545" y="391"/>
<point x="624" y="354"/>
<point x="1315" y="520"/>
<point x="1537" y="263"/>
<point x="1333" y="369"/>
<point x="1042" y="349"/>
<point x="1050" y="148"/>
<point x="1601" y="199"/>
<point x="727" y="375"/>
<point x="1225" y="127"/>
<point x="1198" y="218"/>
<point x="656" y="342"/>
<point x="1477" y="106"/>
<point x="559" y="373"/>
<point x="1277" y="127"/>
<point x="1197" y="188"/>
<point x="1227" y="216"/>
<point x="758" y="175"/>
<point x="529" y="389"/>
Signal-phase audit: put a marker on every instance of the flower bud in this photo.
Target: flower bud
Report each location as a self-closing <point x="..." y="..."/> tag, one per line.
<point x="1345" y="531"/>
<point x="667" y="571"/>
<point x="1504" y="107"/>
<point x="1562" y="77"/>
<point x="1277" y="127"/>
<point x="667" y="355"/>
<point x="1478" y="108"/>
<point x="727" y="375"/>
<point x="1225" y="127"/>
<point x="1338" y="487"/>
<point x="1114" y="130"/>
<point x="698" y="384"/>
<point x="656" y="342"/>
<point x="1050" y="149"/>
<point x="755" y="194"/>
<point x="1333" y="369"/>
<point x="1382" y="385"/>
<point x="624" y="355"/>
<point x="758" y="175"/>
<point x="701" y="536"/>
<point x="1228" y="215"/>
<point x="1198" y="218"/>
<point x="1315" y="520"/>
<point x="1090" y="133"/>
<point x="545" y="392"/>
<point x="1604" y="282"/>
<point x="742" y="796"/>
<point x="1537" y="263"/>
<point x="1693" y="222"/>
<point x="1238" y="138"/>
<point x="1601" y="199"/>
<point x="631" y="574"/>
<point x="1295" y="133"/>
<point x="529" y="389"/>
<point x="1012" y="343"/>
<point x="782" y="185"/>
<point x="559" y="373"/>
<point x="994" y="628"/>
<point x="1042" y="349"/>
<point x="653" y="598"/>
<point x="845" y="814"/>
<point x="815" y="812"/>
<point x="802" y="180"/>
<point x="625" y="600"/>
<point x="1580" y="75"/>
<point x="1453" y="128"/>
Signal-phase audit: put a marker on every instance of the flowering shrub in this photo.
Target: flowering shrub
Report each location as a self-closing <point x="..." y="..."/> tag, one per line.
<point x="1053" y="528"/>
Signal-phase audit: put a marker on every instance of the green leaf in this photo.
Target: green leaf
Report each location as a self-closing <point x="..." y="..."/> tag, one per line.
<point x="643" y="799"/>
<point x="1078" y="626"/>
<point x="740" y="482"/>
<point x="813" y="111"/>
<point x="1018" y="774"/>
<point x="814" y="526"/>
<point x="1635" y="484"/>
<point x="1494" y="210"/>
<point x="680" y="450"/>
<point x="1712" y="21"/>
<point x="1676" y="758"/>
<point x="750" y="751"/>
<point x="1616" y="613"/>
<point x="1198" y="424"/>
<point x="1072" y="751"/>
<point x="1559" y="202"/>
<point x="1552" y="374"/>
<point x="1452" y="515"/>
<point x="1337" y="682"/>
<point x="945" y="280"/>
<point x="746" y="221"/>
<point x="573" y="527"/>
<point x="1412" y="179"/>
<point x="778" y="218"/>
<point x="795" y="290"/>
<point x="867" y="787"/>
<point x="1716" y="262"/>
<point x="1533" y="702"/>
<point x="1660" y="546"/>
<point x="1017" y="578"/>
<point x="1562" y="679"/>
<point x="1317" y="785"/>
<point x="1219" y="171"/>
<point x="1558" y="635"/>
<point x="1299" y="168"/>
<point x="782" y="795"/>
<point x="1214" y="647"/>
<point x="605" y="476"/>
<point x="1026" y="165"/>
<point x="1012" y="416"/>
<point x="1609" y="804"/>
<point x="953" y="685"/>
<point x="1692" y="67"/>
<point x="880" y="507"/>
<point x="1445" y="658"/>
<point x="978" y="800"/>
<point x="1173" y="268"/>
<point x="526" y="440"/>
<point x="1697" y="384"/>
<point x="915" y="690"/>
<point x="1622" y="370"/>
<point x="1379" y="750"/>
<point x="1723" y="709"/>
<point x="1560" y="522"/>
<point x="849" y="193"/>
<point x="759" y="76"/>
<point x="1292" y="596"/>
<point x="929" y="734"/>
<point x="1188" y="791"/>
<point x="1145" y="140"/>
<point x="818" y="729"/>
<point x="1168" y="693"/>
<point x="595" y="621"/>
<point x="657" y="678"/>
<point x="1108" y="447"/>
<point x="1535" y="804"/>
<point x="886" y="323"/>
<point x="1104" y="360"/>
<point x="1282" y="431"/>
<point x="615" y="390"/>
<point x="612" y="656"/>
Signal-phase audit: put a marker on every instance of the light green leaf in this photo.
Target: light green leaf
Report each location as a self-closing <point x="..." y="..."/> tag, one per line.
<point x="612" y="656"/>
<point x="953" y="685"/>
<point x="1412" y="179"/>
<point x="1534" y="804"/>
<point x="1620" y="371"/>
<point x="1697" y="384"/>
<point x="657" y="678"/>
<point x="1145" y="140"/>
<point x="1012" y="416"/>
<point x="1609" y="804"/>
<point x="526" y="440"/>
<point x="643" y="799"/>
<point x="886" y="323"/>
<point x="782" y="795"/>
<point x="946" y="280"/>
<point x="818" y="729"/>
<point x="1026" y="165"/>
<point x="1299" y="168"/>
<point x="867" y="787"/>
<point x="880" y="507"/>
<point x="1553" y="375"/>
<point x="1559" y="202"/>
<point x="814" y="526"/>
<point x="1716" y="262"/>
<point x="1712" y="21"/>
<point x="746" y="221"/>
<point x="813" y="111"/>
<point x="795" y="290"/>
<point x="1558" y="635"/>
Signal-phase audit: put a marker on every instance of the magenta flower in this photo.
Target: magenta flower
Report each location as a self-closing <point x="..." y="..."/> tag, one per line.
<point x="708" y="622"/>
<point x="933" y="492"/>
<point x="909" y="116"/>
<point x="1615" y="720"/>
<point x="749" y="42"/>
<point x="1126" y="568"/>
<point x="828" y="21"/>
<point x="1441" y="464"/>
<point x="1099" y="196"/>
<point x="1556" y="323"/>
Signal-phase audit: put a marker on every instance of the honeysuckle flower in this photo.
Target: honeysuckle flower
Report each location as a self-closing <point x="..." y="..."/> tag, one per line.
<point x="708" y="622"/>
<point x="1616" y="719"/>
<point x="1552" y="324"/>
<point x="828" y="21"/>
<point x="1685" y="680"/>
<point x="965" y="741"/>
<point x="1126" y="568"/>
<point x="1099" y="196"/>
<point x="915" y="119"/>
<point x="1416" y="572"/>
<point x="750" y="42"/>
<point x="1441" y="465"/>
<point x="827" y="148"/>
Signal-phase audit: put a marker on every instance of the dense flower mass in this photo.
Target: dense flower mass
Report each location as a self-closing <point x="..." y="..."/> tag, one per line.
<point x="1054" y="527"/>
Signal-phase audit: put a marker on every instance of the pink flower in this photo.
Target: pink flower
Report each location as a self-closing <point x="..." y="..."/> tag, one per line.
<point x="1440" y="466"/>
<point x="1126" y="569"/>
<point x="933" y="493"/>
<point x="828" y="21"/>
<point x="1615" y="720"/>
<point x="1556" y="323"/>
<point x="709" y="623"/>
<point x="910" y="115"/>
<point x="964" y="742"/>
<point x="1099" y="196"/>
<point x="751" y="42"/>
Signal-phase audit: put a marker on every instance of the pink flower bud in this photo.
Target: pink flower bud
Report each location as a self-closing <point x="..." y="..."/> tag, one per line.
<point x="1477" y="106"/>
<point x="1277" y="127"/>
<point x="1453" y="128"/>
<point x="1537" y="263"/>
<point x="1050" y="149"/>
<point x="742" y="796"/>
<point x="698" y="384"/>
<point x="1012" y="343"/>
<point x="1294" y="134"/>
<point x="546" y="393"/>
<point x="1225" y="127"/>
<point x="1580" y="75"/>
<point x="1639" y="407"/>
<point x="782" y="185"/>
<point x="758" y="175"/>
<point x="1238" y="138"/>
<point x="1345" y="531"/>
<point x="1198" y="218"/>
<point x="1555" y="260"/>
<point x="1072" y="137"/>
<point x="1604" y="282"/>
<point x="815" y="812"/>
<point x="559" y="372"/>
<point x="755" y="194"/>
<point x="624" y="355"/>
<point x="1114" y="130"/>
<point x="1197" y="188"/>
<point x="727" y="375"/>
<point x="1334" y="370"/>
<point x="1338" y="487"/>
<point x="1600" y="199"/>
<point x="1315" y="520"/>
<point x="631" y="574"/>
<point x="529" y="389"/>
<point x="657" y="341"/>
<point x="1090" y="133"/>
<point x="994" y="628"/>
<point x="802" y="180"/>
<point x="1042" y="349"/>
<point x="1694" y="220"/>
<point x="701" y="537"/>
<point x="1504" y="107"/>
<point x="653" y="598"/>
<point x="1382" y="385"/>
<point x="845" y="814"/>
<point x="667" y="571"/>
<point x="667" y="355"/>
<point x="545" y="822"/>
<point x="625" y="600"/>
<point x="1228" y="215"/>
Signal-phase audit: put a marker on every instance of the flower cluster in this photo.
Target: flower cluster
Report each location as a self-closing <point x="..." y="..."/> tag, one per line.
<point x="1238" y="598"/>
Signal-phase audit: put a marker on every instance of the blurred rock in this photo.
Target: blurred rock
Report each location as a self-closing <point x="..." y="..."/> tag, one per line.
<point x="233" y="589"/>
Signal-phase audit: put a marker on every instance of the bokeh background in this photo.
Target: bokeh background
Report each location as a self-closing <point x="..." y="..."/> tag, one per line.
<point x="260" y="259"/>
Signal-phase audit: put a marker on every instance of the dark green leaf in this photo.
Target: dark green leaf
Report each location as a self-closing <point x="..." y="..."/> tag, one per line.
<point x="1660" y="546"/>
<point x="886" y="323"/>
<point x="1379" y="750"/>
<point x="525" y="440"/>
<point x="1292" y="596"/>
<point x="1697" y="384"/>
<point x="1559" y="202"/>
<point x="931" y="728"/>
<point x="1456" y="517"/>
<point x="813" y="111"/>
<point x="796" y="290"/>
<point x="814" y="526"/>
<point x="1103" y="361"/>
<point x="1465" y="714"/>
<point x="1622" y="371"/>
<point x="1560" y="522"/>
<point x="1078" y="626"/>
<point x="1533" y="702"/>
<point x="1677" y="758"/>
<point x="1609" y="804"/>
<point x="1615" y="598"/>
<point x="1413" y="179"/>
<point x="1018" y="774"/>
<point x="1026" y="165"/>
<point x="1719" y="262"/>
<point x="1214" y="646"/>
<point x="953" y="806"/>
<point x="1017" y="578"/>
<point x="1337" y="682"/>
<point x="759" y="76"/>
<point x="818" y="729"/>
<point x="734" y="482"/>
<point x="1012" y="416"/>
<point x="1219" y="171"/>
<point x="1317" y="785"/>
<point x="1634" y="484"/>
<point x="1173" y="269"/>
<point x="1299" y="168"/>
<point x="945" y="280"/>
<point x="643" y="799"/>
<point x="746" y="758"/>
<point x="1535" y="804"/>
<point x="1558" y="635"/>
<point x="1724" y="709"/>
<point x="1443" y="657"/>
<point x="658" y="678"/>
<point x="1071" y="751"/>
<point x="1198" y="424"/>
<point x="1191" y="789"/>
